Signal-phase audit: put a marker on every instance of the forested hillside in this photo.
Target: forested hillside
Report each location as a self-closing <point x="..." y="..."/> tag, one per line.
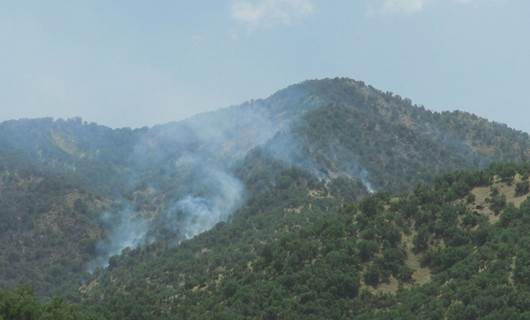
<point x="330" y="127"/>
<point x="361" y="132"/>
<point x="49" y="228"/>
<point x="107" y="215"/>
<point x="300" y="252"/>
<point x="94" y="154"/>
<point x="21" y="304"/>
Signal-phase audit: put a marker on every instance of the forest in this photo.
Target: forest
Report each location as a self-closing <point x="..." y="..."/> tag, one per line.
<point x="328" y="200"/>
<point x="446" y="251"/>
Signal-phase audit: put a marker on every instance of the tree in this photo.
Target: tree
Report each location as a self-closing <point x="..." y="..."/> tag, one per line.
<point x="498" y="202"/>
<point x="372" y="275"/>
<point x="522" y="188"/>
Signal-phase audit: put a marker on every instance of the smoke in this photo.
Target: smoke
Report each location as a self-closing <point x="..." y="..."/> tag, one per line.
<point x="214" y="196"/>
<point x="217" y="194"/>
<point x="181" y="183"/>
<point x="333" y="161"/>
<point x="367" y="184"/>
<point x="200" y="215"/>
<point x="125" y="229"/>
<point x="178" y="191"/>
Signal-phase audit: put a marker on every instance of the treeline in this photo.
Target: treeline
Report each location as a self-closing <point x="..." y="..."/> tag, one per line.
<point x="21" y="304"/>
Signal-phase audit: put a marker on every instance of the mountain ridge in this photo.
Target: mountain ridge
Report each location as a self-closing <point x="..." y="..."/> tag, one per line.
<point x="171" y="182"/>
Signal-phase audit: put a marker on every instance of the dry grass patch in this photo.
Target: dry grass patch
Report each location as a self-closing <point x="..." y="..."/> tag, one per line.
<point x="391" y="287"/>
<point x="420" y="275"/>
<point x="482" y="197"/>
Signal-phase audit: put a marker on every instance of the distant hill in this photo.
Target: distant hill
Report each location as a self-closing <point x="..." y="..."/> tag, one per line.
<point x="149" y="189"/>
<point x="331" y="126"/>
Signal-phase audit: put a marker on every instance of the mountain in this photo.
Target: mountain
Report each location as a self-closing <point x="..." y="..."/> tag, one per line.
<point x="100" y="201"/>
<point x="331" y="126"/>
<point x="362" y="132"/>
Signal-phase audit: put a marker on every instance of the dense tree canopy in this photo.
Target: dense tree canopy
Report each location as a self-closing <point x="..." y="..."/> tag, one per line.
<point x="429" y="254"/>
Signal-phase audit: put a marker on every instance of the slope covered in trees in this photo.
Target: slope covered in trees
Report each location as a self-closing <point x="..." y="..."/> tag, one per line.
<point x="449" y="251"/>
<point x="87" y="192"/>
<point x="21" y="304"/>
<point x="330" y="127"/>
<point x="49" y="228"/>
<point x="356" y="130"/>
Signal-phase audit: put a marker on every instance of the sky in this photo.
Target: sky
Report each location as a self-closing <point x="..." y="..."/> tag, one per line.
<point x="138" y="63"/>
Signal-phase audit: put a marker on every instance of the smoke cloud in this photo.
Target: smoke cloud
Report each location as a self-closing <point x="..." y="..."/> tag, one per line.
<point x="214" y="194"/>
<point x="187" y="165"/>
<point x="367" y="184"/>
<point x="126" y="229"/>
<point x="217" y="195"/>
<point x="182" y="182"/>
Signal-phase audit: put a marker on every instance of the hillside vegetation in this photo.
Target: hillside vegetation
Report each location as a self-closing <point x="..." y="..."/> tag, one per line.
<point x="384" y="139"/>
<point x="252" y="211"/>
<point x="21" y="304"/>
<point x="442" y="252"/>
<point x="49" y="229"/>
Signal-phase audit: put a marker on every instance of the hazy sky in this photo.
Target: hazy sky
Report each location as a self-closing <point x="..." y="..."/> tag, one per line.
<point x="135" y="63"/>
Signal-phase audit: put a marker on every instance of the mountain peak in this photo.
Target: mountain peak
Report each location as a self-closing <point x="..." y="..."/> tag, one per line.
<point x="171" y="182"/>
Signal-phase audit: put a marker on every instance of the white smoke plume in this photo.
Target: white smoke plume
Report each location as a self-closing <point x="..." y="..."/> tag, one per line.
<point x="367" y="184"/>
<point x="126" y="229"/>
<point x="187" y="167"/>
<point x="195" y="213"/>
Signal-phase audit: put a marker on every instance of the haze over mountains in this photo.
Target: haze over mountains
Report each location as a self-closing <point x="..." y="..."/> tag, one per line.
<point x="96" y="213"/>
